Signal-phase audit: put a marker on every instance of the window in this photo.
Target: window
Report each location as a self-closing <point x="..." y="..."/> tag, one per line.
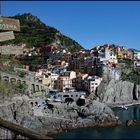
<point x="96" y="84"/>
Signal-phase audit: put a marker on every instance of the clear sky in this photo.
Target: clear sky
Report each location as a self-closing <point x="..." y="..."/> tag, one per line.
<point x="90" y="23"/>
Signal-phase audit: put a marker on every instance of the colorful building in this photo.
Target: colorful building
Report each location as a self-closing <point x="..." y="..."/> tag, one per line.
<point x="62" y="83"/>
<point x="78" y="82"/>
<point x="136" y="55"/>
<point x="130" y="54"/>
<point x="91" y="83"/>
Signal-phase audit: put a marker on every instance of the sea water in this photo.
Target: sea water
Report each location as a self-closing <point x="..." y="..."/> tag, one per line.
<point x="119" y="132"/>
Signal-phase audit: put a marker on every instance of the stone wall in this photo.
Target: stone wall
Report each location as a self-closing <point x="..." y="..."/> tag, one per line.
<point x="12" y="49"/>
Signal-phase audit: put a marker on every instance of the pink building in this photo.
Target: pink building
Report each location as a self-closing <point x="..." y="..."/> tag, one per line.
<point x="62" y="83"/>
<point x="130" y="54"/>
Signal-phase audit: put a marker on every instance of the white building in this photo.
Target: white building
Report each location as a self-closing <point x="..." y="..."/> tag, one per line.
<point x="53" y="77"/>
<point x="108" y="55"/>
<point x="137" y="55"/>
<point x="91" y="83"/>
<point x="136" y="64"/>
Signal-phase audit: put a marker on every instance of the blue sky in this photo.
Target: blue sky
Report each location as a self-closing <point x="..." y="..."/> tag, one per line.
<point x="90" y="23"/>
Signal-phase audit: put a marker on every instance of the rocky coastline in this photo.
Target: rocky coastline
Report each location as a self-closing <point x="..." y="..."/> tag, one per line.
<point x="64" y="118"/>
<point x="57" y="131"/>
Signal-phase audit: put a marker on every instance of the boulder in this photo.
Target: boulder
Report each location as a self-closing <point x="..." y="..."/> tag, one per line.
<point x="130" y="122"/>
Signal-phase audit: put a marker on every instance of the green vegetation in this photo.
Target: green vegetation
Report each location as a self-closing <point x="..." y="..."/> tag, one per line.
<point x="33" y="61"/>
<point x="8" y="62"/>
<point x="21" y="74"/>
<point x="70" y="44"/>
<point x="35" y="33"/>
<point x="8" y="89"/>
<point x="21" y="88"/>
<point x="127" y="61"/>
<point x="133" y="77"/>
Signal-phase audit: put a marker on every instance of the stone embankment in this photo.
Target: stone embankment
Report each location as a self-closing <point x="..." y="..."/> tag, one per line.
<point x="12" y="49"/>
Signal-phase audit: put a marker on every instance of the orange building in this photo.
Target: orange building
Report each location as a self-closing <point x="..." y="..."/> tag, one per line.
<point x="62" y="83"/>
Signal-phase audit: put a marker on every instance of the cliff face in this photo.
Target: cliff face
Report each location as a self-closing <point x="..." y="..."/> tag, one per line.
<point x="118" y="91"/>
<point x="113" y="90"/>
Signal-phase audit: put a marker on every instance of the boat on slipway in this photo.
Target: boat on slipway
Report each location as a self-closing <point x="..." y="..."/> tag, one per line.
<point x="124" y="107"/>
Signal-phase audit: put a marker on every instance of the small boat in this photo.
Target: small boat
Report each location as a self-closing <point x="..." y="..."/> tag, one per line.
<point x="49" y="99"/>
<point x="57" y="100"/>
<point x="124" y="107"/>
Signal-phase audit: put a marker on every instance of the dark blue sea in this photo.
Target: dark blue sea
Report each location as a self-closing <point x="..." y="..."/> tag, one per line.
<point x="119" y="132"/>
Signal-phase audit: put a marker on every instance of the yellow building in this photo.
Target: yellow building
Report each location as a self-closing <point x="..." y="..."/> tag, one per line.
<point x="113" y="61"/>
<point x="121" y="52"/>
<point x="47" y="82"/>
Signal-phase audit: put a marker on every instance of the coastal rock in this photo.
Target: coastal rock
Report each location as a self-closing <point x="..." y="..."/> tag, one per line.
<point x="31" y="122"/>
<point x="88" y="116"/>
<point x="98" y="113"/>
<point x="137" y="92"/>
<point x="14" y="110"/>
<point x="112" y="90"/>
<point x="130" y="122"/>
<point x="116" y="91"/>
<point x="63" y="117"/>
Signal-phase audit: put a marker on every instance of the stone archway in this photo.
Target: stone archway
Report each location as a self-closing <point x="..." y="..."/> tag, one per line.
<point x="37" y="88"/>
<point x="33" y="88"/>
<point x="5" y="78"/>
<point x="13" y="80"/>
<point x="18" y="81"/>
<point x="23" y="82"/>
<point x="42" y="88"/>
